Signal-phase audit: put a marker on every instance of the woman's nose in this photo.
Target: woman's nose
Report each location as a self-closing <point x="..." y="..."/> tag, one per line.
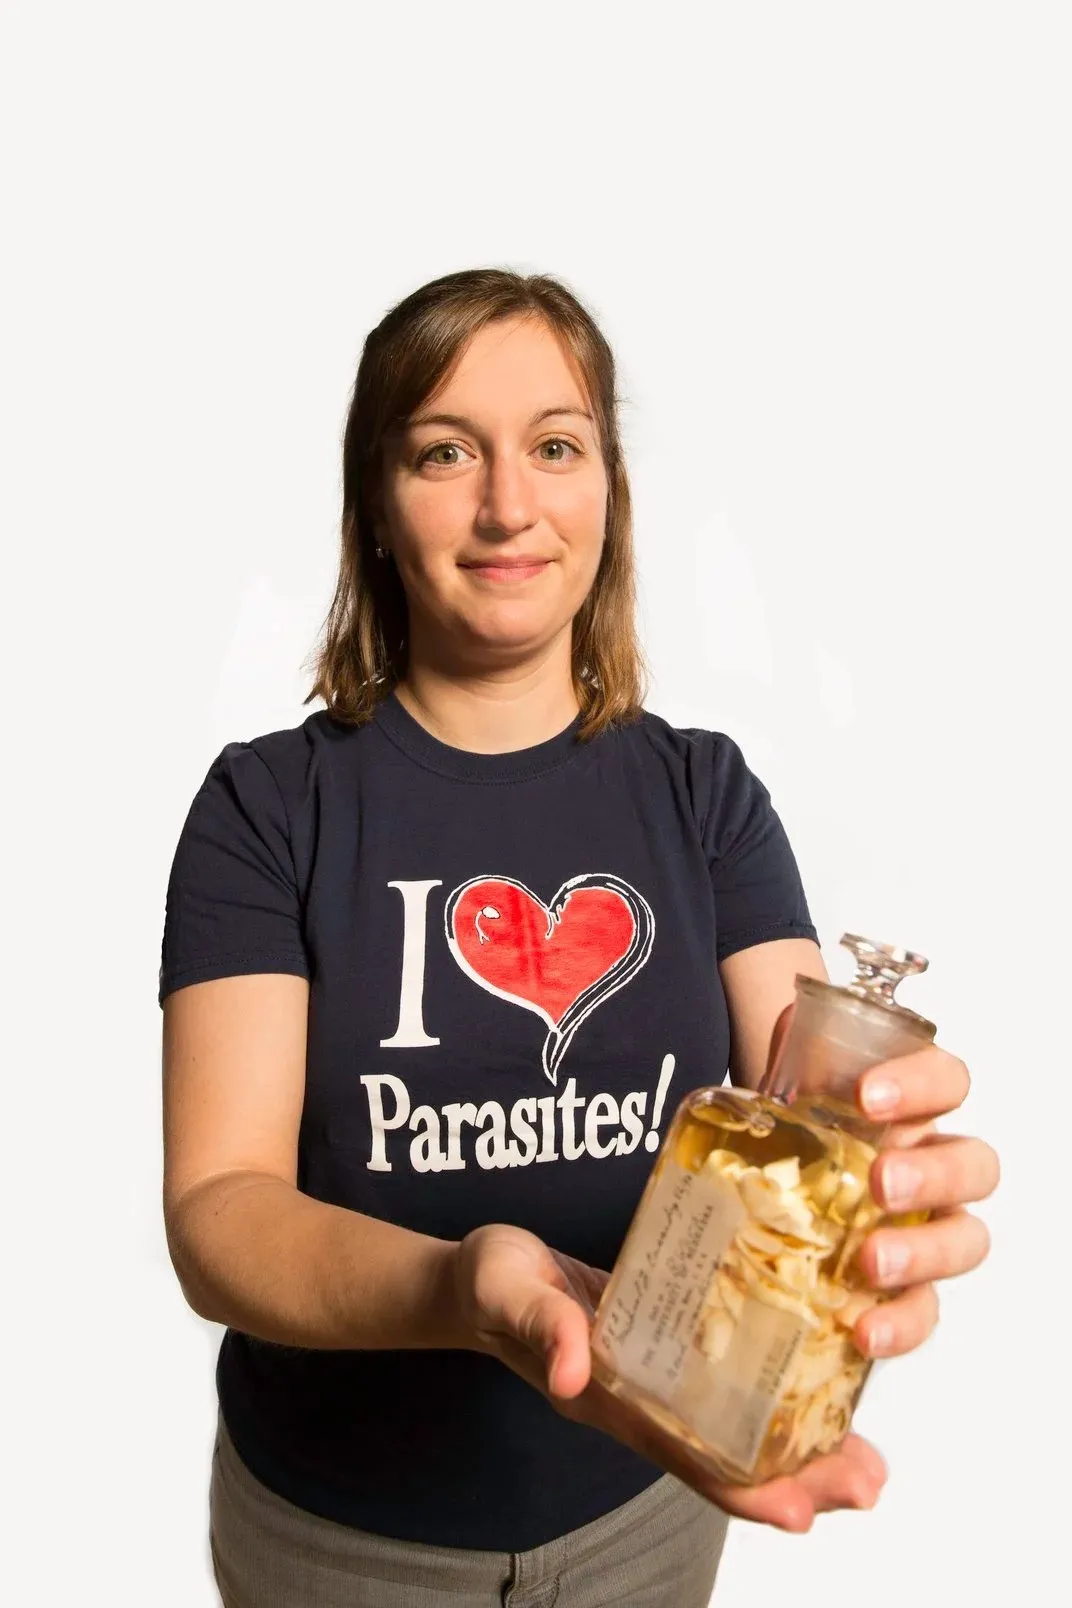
<point x="508" y="503"/>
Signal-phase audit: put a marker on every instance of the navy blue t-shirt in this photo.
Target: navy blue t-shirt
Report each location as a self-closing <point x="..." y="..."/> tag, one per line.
<point x="513" y="967"/>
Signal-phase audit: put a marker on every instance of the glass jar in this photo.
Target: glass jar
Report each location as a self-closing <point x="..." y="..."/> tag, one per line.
<point x="728" y="1317"/>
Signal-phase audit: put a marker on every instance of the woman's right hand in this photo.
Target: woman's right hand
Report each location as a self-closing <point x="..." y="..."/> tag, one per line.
<point x="533" y="1309"/>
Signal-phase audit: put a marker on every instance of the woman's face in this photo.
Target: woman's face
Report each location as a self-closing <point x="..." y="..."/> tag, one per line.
<point x="495" y="501"/>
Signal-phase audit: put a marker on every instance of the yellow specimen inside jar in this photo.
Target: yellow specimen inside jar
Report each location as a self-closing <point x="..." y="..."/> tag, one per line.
<point x="803" y="1185"/>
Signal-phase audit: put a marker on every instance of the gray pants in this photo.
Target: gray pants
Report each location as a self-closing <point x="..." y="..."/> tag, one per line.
<point x="660" y="1550"/>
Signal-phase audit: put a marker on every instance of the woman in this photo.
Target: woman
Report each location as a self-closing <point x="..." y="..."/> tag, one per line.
<point x="399" y="1157"/>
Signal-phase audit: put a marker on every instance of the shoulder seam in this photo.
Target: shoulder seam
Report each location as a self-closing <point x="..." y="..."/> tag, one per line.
<point x="279" y="793"/>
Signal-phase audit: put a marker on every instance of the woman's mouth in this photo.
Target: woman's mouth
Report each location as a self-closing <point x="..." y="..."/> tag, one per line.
<point x="502" y="570"/>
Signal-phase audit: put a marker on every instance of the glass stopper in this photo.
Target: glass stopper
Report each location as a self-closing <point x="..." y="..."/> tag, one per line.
<point x="880" y="967"/>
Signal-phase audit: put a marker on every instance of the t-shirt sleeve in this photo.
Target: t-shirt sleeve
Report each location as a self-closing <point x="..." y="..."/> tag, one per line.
<point x="758" y="892"/>
<point x="233" y="905"/>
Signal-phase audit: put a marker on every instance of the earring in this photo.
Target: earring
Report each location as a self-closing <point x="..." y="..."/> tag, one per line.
<point x="380" y="552"/>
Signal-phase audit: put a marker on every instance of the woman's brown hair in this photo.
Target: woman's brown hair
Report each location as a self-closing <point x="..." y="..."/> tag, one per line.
<point x="362" y="654"/>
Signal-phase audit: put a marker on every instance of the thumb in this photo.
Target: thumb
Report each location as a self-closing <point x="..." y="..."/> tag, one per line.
<point x="780" y="1029"/>
<point x="555" y="1326"/>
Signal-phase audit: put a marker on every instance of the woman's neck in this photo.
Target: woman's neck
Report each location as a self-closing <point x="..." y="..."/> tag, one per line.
<point x="493" y="713"/>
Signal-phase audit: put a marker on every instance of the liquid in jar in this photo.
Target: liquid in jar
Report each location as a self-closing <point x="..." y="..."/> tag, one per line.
<point x="729" y="1315"/>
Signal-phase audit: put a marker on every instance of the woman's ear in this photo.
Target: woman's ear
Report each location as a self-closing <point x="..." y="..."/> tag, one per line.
<point x="376" y="520"/>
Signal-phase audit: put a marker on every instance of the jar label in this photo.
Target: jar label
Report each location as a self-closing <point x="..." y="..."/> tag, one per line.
<point x="648" y="1328"/>
<point x="731" y="1402"/>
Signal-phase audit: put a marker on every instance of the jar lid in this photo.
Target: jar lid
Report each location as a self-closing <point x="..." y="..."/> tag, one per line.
<point x="879" y="970"/>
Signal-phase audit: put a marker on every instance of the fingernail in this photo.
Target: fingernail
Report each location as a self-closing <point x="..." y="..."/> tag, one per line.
<point x="880" y="1095"/>
<point x="880" y="1339"/>
<point x="900" y="1182"/>
<point x="891" y="1259"/>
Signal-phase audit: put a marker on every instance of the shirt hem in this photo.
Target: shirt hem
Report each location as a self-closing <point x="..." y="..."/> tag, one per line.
<point x="750" y="936"/>
<point x="314" y="1491"/>
<point x="240" y="964"/>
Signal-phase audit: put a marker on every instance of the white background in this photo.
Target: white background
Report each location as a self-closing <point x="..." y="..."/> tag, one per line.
<point x="829" y="246"/>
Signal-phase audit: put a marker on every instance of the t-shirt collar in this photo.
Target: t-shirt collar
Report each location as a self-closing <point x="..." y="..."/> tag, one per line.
<point x="520" y="764"/>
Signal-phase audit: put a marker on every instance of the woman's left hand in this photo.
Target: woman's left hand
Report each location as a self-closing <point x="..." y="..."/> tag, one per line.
<point x="919" y="1169"/>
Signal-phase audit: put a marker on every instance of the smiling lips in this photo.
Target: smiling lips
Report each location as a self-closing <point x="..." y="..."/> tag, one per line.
<point x="508" y="569"/>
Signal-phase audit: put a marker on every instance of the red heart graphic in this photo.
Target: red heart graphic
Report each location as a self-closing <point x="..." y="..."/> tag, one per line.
<point x="543" y="958"/>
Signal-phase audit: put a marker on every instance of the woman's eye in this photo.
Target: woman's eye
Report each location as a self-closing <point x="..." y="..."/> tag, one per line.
<point x="559" y="442"/>
<point x="440" y="446"/>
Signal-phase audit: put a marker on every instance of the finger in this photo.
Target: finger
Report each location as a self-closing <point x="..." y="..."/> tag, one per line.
<point x="554" y="1327"/>
<point x="948" y="1245"/>
<point x="941" y="1171"/>
<point x="891" y="1328"/>
<point x="783" y="1503"/>
<point x="853" y="1476"/>
<point x="923" y="1084"/>
<point x="778" y="1032"/>
<point x="868" y="1454"/>
<point x="850" y="1477"/>
<point x="523" y="1360"/>
<point x="569" y="1355"/>
<point x="586" y="1284"/>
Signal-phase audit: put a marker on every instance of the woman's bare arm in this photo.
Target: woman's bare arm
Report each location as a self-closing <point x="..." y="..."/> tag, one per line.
<point x="758" y="984"/>
<point x="251" y="1251"/>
